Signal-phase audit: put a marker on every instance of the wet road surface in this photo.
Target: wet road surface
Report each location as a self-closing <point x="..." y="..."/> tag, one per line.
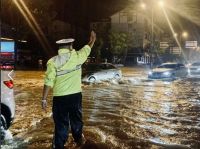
<point x="131" y="113"/>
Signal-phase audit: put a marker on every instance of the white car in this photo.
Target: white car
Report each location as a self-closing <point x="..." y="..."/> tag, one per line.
<point x="7" y="102"/>
<point x="168" y="71"/>
<point x="194" y="69"/>
<point x="97" y="72"/>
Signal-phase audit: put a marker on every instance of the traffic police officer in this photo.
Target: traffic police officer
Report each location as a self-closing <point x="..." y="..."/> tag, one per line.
<point x="63" y="74"/>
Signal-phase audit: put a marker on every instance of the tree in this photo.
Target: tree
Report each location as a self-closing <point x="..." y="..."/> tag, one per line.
<point x="119" y="43"/>
<point x="97" y="46"/>
<point x="29" y="17"/>
<point x="11" y="16"/>
<point x="43" y="12"/>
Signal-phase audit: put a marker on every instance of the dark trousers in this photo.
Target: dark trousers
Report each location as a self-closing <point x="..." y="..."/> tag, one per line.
<point x="67" y="110"/>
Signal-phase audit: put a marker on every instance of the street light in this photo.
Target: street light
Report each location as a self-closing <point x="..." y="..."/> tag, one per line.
<point x="185" y="34"/>
<point x="143" y="5"/>
<point x="161" y="3"/>
<point x="180" y="39"/>
<point x="175" y="35"/>
<point x="182" y="35"/>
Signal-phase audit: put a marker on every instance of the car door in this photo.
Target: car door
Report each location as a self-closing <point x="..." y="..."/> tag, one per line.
<point x="111" y="71"/>
<point x="181" y="70"/>
<point x="102" y="74"/>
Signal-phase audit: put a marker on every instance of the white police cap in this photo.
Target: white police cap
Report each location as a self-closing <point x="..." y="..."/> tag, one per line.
<point x="65" y="41"/>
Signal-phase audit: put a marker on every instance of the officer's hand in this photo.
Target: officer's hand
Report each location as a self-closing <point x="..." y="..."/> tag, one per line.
<point x="44" y="104"/>
<point x="92" y="39"/>
<point x="92" y="36"/>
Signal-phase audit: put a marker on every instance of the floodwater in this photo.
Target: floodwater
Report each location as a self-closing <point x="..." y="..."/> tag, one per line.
<point x="128" y="114"/>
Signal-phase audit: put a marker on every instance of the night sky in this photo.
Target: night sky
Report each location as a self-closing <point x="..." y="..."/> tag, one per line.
<point x="184" y="14"/>
<point x="82" y="12"/>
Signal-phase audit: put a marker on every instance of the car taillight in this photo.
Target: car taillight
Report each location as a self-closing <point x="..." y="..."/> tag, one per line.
<point x="9" y="84"/>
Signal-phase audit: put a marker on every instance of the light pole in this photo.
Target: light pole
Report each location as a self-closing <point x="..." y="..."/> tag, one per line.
<point x="184" y="36"/>
<point x="152" y="29"/>
<point x="179" y="39"/>
<point x="143" y="6"/>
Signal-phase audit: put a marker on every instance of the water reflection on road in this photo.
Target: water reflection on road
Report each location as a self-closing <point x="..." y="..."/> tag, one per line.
<point x="132" y="113"/>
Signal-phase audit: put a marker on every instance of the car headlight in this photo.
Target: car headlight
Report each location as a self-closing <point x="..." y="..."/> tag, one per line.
<point x="150" y="73"/>
<point x="167" y="73"/>
<point x="188" y="70"/>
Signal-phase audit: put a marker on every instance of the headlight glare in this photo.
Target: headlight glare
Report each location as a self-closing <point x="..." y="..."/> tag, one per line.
<point x="166" y="73"/>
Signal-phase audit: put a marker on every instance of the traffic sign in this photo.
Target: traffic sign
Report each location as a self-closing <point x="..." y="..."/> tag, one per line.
<point x="176" y="50"/>
<point x="191" y="44"/>
<point x="164" y="45"/>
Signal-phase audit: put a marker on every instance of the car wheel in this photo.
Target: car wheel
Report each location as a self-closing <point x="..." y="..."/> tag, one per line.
<point x="92" y="79"/>
<point x="3" y="127"/>
<point x="117" y="77"/>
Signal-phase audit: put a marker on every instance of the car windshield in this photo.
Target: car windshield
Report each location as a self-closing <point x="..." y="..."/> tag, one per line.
<point x="108" y="66"/>
<point x="196" y="64"/>
<point x="98" y="67"/>
<point x="92" y="67"/>
<point x="168" y="66"/>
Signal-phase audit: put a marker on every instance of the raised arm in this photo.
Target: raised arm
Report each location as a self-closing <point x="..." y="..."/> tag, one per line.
<point x="92" y="39"/>
<point x="85" y="51"/>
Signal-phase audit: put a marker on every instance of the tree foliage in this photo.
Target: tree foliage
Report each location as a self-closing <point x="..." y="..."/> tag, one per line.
<point x="98" y="46"/>
<point x="118" y="42"/>
<point x="42" y="12"/>
<point x="11" y="16"/>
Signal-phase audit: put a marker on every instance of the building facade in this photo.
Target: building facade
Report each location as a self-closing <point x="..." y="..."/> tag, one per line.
<point x="133" y="23"/>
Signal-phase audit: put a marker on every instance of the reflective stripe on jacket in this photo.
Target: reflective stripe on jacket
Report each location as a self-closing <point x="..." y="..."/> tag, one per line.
<point x="64" y="71"/>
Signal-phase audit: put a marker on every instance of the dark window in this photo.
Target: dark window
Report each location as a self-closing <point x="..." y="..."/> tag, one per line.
<point x="130" y="18"/>
<point x="168" y="66"/>
<point x="92" y="67"/>
<point x="196" y="64"/>
<point x="180" y="65"/>
<point x="130" y="26"/>
<point x="110" y="66"/>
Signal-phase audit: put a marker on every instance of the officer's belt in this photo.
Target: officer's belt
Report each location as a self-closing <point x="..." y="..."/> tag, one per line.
<point x="63" y="72"/>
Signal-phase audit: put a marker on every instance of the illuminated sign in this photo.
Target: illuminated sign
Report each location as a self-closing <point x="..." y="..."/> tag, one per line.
<point x="176" y="50"/>
<point x="164" y="45"/>
<point x="191" y="44"/>
<point x="7" y="55"/>
<point x="7" y="46"/>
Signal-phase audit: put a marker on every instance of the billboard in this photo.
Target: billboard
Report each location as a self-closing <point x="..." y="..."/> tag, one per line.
<point x="176" y="50"/>
<point x="7" y="46"/>
<point x="191" y="44"/>
<point x="7" y="54"/>
<point x="164" y="45"/>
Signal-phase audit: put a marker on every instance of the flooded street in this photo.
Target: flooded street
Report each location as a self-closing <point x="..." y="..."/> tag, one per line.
<point x="131" y="113"/>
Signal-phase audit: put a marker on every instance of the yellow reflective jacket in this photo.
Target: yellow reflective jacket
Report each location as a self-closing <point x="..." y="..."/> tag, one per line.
<point x="63" y="72"/>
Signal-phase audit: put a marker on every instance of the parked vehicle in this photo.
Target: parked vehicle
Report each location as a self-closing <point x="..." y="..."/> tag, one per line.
<point x="169" y="71"/>
<point x="103" y="71"/>
<point x="194" y="69"/>
<point x="7" y="102"/>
